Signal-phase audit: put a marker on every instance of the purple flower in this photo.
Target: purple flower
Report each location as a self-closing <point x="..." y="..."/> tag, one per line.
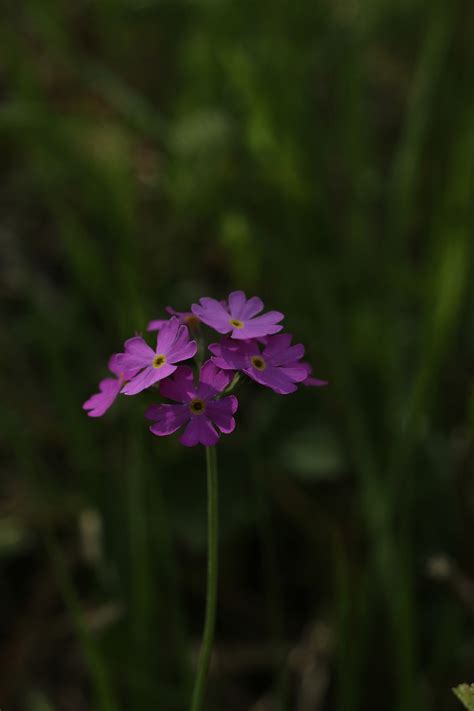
<point x="198" y="409"/>
<point x="274" y="364"/>
<point x="172" y="346"/>
<point x="238" y="317"/>
<point x="310" y="381"/>
<point x="109" y="388"/>
<point x="186" y="318"/>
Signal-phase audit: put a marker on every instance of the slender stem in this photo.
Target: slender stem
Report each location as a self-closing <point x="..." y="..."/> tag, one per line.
<point x="212" y="543"/>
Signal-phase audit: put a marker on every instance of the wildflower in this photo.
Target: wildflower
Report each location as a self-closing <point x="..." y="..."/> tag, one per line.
<point x="186" y="318"/>
<point x="172" y="346"/>
<point x="274" y="364"/>
<point x="198" y="407"/>
<point x="238" y="317"/>
<point x="309" y="381"/>
<point x="109" y="388"/>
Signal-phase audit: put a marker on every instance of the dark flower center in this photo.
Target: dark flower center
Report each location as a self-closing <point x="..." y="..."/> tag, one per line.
<point x="258" y="362"/>
<point x="159" y="361"/>
<point x="197" y="406"/>
<point x="191" y="320"/>
<point x="236" y="323"/>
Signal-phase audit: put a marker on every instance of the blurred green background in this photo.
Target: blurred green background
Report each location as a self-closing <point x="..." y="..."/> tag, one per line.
<point x="319" y="154"/>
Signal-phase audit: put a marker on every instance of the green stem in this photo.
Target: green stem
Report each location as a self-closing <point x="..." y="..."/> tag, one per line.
<point x="212" y="543"/>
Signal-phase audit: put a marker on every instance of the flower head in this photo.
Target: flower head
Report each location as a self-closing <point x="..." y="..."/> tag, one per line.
<point x="275" y="364"/>
<point x="186" y="318"/>
<point x="172" y="346"/>
<point x="238" y="316"/>
<point x="198" y="407"/>
<point x="109" y="388"/>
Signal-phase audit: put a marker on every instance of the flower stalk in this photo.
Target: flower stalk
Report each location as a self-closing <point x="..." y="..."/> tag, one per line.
<point x="212" y="574"/>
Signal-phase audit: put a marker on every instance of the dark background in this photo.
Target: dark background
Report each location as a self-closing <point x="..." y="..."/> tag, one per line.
<point x="319" y="154"/>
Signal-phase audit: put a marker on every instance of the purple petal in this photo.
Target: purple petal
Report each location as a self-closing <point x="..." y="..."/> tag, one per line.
<point x="232" y="355"/>
<point x="219" y="326"/>
<point x="273" y="378"/>
<point x="249" y="331"/>
<point x="253" y="306"/>
<point x="138" y="348"/>
<point x="221" y="411"/>
<point x="153" y="412"/>
<point x="116" y="366"/>
<point x="169" y="418"/>
<point x="199" y="430"/>
<point x="285" y="357"/>
<point x="190" y="436"/>
<point x="167" y="335"/>
<point x="315" y="382"/>
<point x="147" y="377"/>
<point x="212" y="313"/>
<point x="295" y="372"/>
<point x="180" y="385"/>
<point x="216" y="349"/>
<point x="138" y="354"/>
<point x="181" y="339"/>
<point x="237" y="301"/>
<point x="310" y="381"/>
<point x="156" y="324"/>
<point x="113" y="365"/>
<point x="214" y="306"/>
<point x="187" y="352"/>
<point x="212" y="380"/>
<point x="182" y="348"/>
<point x="277" y="344"/>
<point x="224" y="364"/>
<point x="268" y="317"/>
<point x="263" y="325"/>
<point x="294" y="353"/>
<point x="122" y="359"/>
<point x="99" y="403"/>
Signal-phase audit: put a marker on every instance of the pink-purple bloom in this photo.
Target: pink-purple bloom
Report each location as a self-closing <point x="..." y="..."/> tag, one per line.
<point x="239" y="316"/>
<point x="186" y="318"/>
<point x="109" y="388"/>
<point x="251" y="344"/>
<point x="198" y="407"/>
<point x="172" y="346"/>
<point x="275" y="364"/>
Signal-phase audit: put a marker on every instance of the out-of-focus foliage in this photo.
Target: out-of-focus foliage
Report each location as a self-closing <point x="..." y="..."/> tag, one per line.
<point x="319" y="154"/>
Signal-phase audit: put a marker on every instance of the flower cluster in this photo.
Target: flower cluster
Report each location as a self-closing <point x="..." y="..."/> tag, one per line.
<point x="251" y="343"/>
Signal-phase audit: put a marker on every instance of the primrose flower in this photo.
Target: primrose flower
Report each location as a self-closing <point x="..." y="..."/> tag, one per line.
<point x="198" y="407"/>
<point x="172" y="346"/>
<point x="186" y="318"/>
<point x="109" y="388"/>
<point x="238" y="316"/>
<point x="274" y="364"/>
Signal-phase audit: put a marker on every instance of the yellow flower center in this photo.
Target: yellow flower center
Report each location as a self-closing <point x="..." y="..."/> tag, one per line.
<point x="258" y="362"/>
<point x="159" y="361"/>
<point x="197" y="406"/>
<point x="236" y="323"/>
